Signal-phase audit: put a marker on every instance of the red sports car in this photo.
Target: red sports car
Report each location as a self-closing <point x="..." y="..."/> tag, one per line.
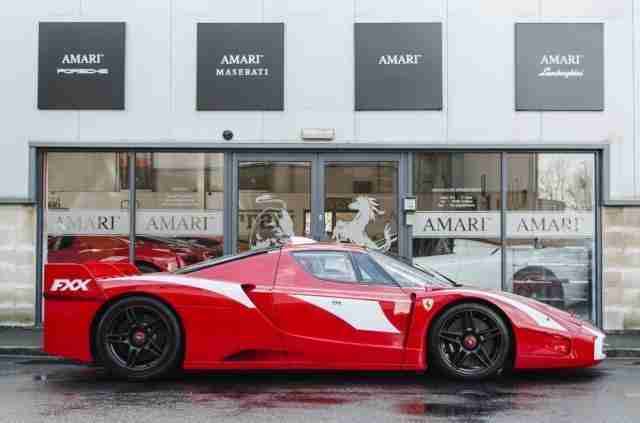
<point x="305" y="305"/>
<point x="152" y="254"/>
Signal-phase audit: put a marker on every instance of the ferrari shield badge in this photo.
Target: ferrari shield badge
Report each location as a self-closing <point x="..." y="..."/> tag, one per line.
<point x="427" y="303"/>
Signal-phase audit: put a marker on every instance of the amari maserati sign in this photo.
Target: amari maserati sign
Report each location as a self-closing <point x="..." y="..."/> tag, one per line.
<point x="240" y="66"/>
<point x="559" y="66"/>
<point x="81" y="65"/>
<point x="398" y="66"/>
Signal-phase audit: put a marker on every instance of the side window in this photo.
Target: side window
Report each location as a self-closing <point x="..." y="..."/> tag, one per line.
<point x="330" y="265"/>
<point x="370" y="271"/>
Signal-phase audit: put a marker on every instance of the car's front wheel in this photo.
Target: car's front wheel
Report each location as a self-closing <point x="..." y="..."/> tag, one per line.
<point x="138" y="338"/>
<point x="469" y="341"/>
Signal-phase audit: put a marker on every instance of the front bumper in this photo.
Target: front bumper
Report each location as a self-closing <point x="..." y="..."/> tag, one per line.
<point x="587" y="348"/>
<point x="598" y="344"/>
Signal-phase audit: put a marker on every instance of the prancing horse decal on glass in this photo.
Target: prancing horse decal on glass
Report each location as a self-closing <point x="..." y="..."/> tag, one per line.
<point x="368" y="210"/>
<point x="273" y="225"/>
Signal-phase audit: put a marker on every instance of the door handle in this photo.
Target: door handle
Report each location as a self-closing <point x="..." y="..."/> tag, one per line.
<point x="336" y="302"/>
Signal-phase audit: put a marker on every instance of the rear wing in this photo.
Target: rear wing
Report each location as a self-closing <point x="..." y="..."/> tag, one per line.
<point x="79" y="281"/>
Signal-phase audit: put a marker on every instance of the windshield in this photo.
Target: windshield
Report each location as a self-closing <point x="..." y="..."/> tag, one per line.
<point x="410" y="276"/>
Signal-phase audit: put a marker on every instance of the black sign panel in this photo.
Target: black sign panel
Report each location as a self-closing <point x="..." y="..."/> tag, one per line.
<point x="398" y="66"/>
<point x="240" y="66"/>
<point x="559" y="66"/>
<point x="81" y="65"/>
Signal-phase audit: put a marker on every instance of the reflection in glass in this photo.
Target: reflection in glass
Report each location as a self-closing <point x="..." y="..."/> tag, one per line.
<point x="180" y="207"/>
<point x="361" y="203"/>
<point x="469" y="261"/>
<point x="273" y="199"/>
<point x="454" y="192"/>
<point x="550" y="233"/>
<point x="556" y="272"/>
<point x="86" y="216"/>
<point x="457" y="181"/>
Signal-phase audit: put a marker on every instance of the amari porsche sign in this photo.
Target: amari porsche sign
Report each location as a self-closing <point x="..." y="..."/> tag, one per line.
<point x="398" y="66"/>
<point x="81" y="65"/>
<point x="560" y="66"/>
<point x="240" y="66"/>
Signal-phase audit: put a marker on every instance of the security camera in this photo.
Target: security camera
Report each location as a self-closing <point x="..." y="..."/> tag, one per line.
<point x="227" y="135"/>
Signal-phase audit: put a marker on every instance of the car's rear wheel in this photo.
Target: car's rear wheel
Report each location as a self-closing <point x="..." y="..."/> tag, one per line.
<point x="469" y="341"/>
<point x="139" y="338"/>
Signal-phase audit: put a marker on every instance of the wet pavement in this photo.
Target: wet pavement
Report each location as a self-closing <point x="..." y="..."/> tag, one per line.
<point x="44" y="390"/>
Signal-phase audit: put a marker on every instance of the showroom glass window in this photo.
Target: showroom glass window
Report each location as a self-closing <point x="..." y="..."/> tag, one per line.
<point x="457" y="223"/>
<point x="360" y="203"/>
<point x="86" y="211"/>
<point x="179" y="209"/>
<point x="550" y="222"/>
<point x="273" y="199"/>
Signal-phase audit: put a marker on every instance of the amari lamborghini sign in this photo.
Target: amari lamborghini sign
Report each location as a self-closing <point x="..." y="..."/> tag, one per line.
<point x="81" y="65"/>
<point x="560" y="66"/>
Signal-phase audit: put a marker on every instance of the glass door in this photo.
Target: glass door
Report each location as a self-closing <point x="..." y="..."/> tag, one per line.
<point x="345" y="198"/>
<point x="273" y="196"/>
<point x="360" y="199"/>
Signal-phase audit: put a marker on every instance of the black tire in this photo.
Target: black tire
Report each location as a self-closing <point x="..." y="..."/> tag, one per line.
<point x="139" y="338"/>
<point x="469" y="341"/>
<point x="147" y="268"/>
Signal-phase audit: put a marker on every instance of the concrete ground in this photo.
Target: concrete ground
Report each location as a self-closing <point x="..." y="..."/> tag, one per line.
<point x="41" y="389"/>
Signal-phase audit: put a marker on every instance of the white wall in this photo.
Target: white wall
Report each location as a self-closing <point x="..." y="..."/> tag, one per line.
<point x="478" y="77"/>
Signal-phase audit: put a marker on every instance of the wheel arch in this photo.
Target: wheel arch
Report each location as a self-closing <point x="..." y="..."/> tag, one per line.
<point x="472" y="300"/>
<point x="104" y="307"/>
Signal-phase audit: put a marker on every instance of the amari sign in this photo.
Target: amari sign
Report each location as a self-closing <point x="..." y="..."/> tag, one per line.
<point x="559" y="66"/>
<point x="240" y="66"/>
<point x="457" y="224"/>
<point x="148" y="222"/>
<point x="398" y="66"/>
<point x="81" y="65"/>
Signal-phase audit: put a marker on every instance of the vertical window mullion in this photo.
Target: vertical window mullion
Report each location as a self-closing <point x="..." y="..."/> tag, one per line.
<point x="503" y="220"/>
<point x="131" y="158"/>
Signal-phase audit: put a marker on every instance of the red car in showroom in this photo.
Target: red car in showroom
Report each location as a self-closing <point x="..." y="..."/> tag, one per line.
<point x="152" y="254"/>
<point x="304" y="305"/>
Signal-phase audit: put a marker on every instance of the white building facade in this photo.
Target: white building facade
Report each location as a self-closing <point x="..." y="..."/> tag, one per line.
<point x="518" y="185"/>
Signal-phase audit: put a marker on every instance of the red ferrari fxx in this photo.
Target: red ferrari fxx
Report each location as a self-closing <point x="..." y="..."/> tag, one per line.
<point x="304" y="305"/>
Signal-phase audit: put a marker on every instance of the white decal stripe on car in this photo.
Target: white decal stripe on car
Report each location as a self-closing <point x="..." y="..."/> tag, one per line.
<point x="360" y="314"/>
<point x="540" y="318"/>
<point x="227" y="289"/>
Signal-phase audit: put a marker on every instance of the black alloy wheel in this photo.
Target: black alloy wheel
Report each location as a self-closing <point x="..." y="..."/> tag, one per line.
<point x="139" y="338"/>
<point x="469" y="341"/>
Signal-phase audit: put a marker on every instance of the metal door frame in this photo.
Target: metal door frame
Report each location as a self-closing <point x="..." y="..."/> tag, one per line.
<point x="318" y="161"/>
<point x="401" y="187"/>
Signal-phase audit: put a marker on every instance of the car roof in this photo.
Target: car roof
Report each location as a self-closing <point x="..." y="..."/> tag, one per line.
<point x="299" y="244"/>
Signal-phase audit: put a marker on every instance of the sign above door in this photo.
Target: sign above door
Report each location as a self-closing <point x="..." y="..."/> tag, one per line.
<point x="81" y="65"/>
<point x="560" y="66"/>
<point x="240" y="66"/>
<point x="398" y="66"/>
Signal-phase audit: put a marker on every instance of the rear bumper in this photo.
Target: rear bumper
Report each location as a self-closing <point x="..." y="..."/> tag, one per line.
<point x="67" y="328"/>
